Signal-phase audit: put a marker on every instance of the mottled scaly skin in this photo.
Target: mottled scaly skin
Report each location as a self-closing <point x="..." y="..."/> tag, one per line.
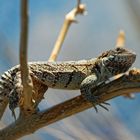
<point x="62" y="75"/>
<point x="72" y="75"/>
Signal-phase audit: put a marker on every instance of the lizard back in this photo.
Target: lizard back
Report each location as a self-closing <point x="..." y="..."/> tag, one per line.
<point x="62" y="75"/>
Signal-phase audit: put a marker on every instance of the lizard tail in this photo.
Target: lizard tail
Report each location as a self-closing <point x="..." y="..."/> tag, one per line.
<point x="7" y="85"/>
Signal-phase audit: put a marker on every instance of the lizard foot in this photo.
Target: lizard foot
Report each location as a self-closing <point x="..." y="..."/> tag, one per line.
<point x="95" y="100"/>
<point x="100" y="106"/>
<point x="104" y="106"/>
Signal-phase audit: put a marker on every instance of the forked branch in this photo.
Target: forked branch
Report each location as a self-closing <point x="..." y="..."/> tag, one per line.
<point x="69" y="19"/>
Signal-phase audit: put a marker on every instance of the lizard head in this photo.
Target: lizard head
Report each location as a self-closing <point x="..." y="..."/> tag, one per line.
<point x="117" y="60"/>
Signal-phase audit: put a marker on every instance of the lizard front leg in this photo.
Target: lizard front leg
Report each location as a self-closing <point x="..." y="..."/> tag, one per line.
<point x="86" y="88"/>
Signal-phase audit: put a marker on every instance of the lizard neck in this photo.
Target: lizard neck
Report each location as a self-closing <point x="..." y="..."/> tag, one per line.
<point x="101" y="70"/>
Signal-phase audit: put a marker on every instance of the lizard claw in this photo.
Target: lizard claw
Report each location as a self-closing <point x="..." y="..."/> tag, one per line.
<point x="104" y="107"/>
<point x="105" y="103"/>
<point x="95" y="107"/>
<point x="95" y="100"/>
<point x="100" y="106"/>
<point x="13" y="114"/>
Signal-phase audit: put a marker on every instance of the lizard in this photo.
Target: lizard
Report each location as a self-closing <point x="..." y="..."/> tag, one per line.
<point x="83" y="75"/>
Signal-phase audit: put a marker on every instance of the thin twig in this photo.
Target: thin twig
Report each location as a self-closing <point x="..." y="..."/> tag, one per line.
<point x="70" y="18"/>
<point x="129" y="82"/>
<point x="120" y="43"/>
<point x="25" y="77"/>
<point x="121" y="39"/>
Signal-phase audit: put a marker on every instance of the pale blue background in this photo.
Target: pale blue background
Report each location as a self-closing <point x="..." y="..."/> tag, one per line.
<point x="93" y="34"/>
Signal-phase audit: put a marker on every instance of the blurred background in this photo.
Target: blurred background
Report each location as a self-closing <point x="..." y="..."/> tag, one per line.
<point x="94" y="34"/>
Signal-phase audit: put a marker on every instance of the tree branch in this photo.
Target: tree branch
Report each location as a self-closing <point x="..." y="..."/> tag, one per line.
<point x="121" y="39"/>
<point x="27" y="103"/>
<point x="129" y="82"/>
<point x="69" y="19"/>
